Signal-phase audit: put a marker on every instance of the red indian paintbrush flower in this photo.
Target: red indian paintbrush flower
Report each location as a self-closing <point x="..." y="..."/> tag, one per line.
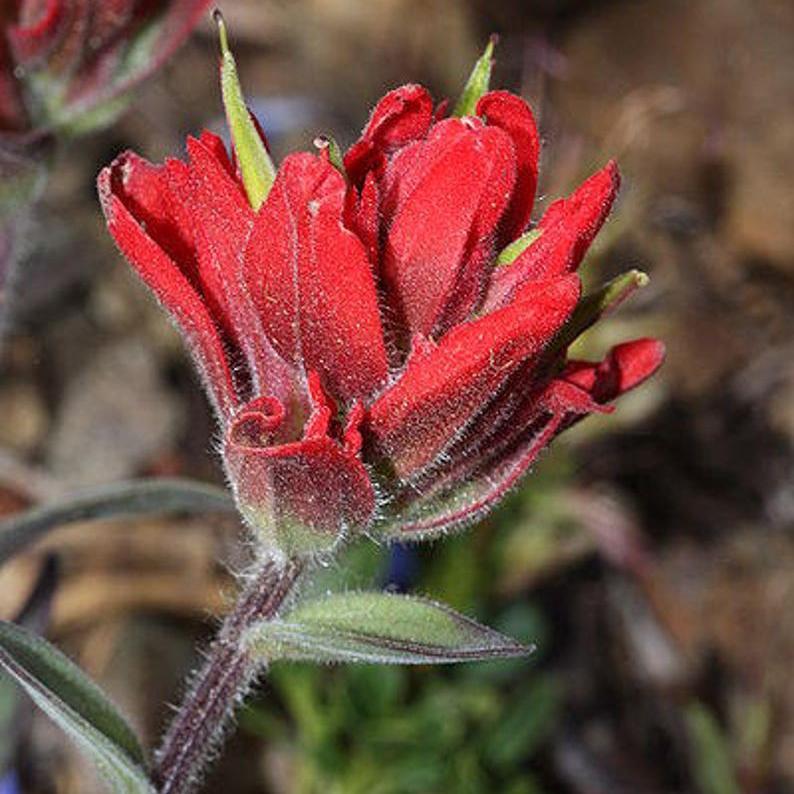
<point x="63" y="59"/>
<point x="384" y="338"/>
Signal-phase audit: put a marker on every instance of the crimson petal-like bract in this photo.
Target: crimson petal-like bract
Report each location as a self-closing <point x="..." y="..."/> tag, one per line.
<point x="510" y="113"/>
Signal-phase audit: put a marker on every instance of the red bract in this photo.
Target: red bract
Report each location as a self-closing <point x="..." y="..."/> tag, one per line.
<point x="61" y="59"/>
<point x="372" y="367"/>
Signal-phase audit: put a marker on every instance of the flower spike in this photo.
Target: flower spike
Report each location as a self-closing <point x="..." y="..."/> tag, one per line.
<point x="385" y="339"/>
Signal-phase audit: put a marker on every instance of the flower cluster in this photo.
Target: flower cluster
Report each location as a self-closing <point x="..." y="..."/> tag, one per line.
<point x="63" y="59"/>
<point x="385" y="337"/>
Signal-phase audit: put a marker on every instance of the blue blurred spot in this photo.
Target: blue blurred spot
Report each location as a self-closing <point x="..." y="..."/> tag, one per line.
<point x="10" y="784"/>
<point x="403" y="568"/>
<point x="280" y="115"/>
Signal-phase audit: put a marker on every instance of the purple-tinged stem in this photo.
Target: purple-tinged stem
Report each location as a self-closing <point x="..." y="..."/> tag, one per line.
<point x="228" y="673"/>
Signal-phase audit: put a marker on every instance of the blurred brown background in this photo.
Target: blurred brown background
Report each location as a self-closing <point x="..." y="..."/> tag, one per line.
<point x="656" y="545"/>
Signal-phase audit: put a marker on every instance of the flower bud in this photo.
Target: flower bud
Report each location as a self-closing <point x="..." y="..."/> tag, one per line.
<point x="68" y="64"/>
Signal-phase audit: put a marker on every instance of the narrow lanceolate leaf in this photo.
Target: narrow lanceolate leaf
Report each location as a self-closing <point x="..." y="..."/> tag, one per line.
<point x="477" y="84"/>
<point x="594" y="306"/>
<point x="380" y="628"/>
<point x="34" y="616"/>
<point x="511" y="252"/>
<point x="76" y="705"/>
<point x="256" y="166"/>
<point x="139" y="497"/>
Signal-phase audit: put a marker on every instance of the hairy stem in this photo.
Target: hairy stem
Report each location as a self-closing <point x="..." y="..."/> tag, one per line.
<point x="224" y="679"/>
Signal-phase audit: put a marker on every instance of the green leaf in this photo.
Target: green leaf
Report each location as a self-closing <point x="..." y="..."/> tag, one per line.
<point x="477" y="84"/>
<point x="255" y="164"/>
<point x="511" y="252"/>
<point x="34" y="614"/>
<point x="135" y="497"/>
<point x="381" y="628"/>
<point x="524" y="724"/>
<point x="373" y="691"/>
<point x="76" y="705"/>
<point x="711" y="758"/>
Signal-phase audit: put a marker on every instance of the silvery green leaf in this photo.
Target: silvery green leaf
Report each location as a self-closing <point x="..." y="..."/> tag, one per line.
<point x="137" y="497"/>
<point x="77" y="706"/>
<point x="382" y="628"/>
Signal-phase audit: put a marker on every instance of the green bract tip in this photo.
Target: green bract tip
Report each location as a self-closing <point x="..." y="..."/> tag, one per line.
<point x="517" y="247"/>
<point x="605" y="300"/>
<point x="478" y="82"/>
<point x="327" y="143"/>
<point x="255" y="163"/>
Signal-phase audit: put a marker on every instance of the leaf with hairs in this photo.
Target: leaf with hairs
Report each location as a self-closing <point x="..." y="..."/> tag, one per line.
<point x="379" y="628"/>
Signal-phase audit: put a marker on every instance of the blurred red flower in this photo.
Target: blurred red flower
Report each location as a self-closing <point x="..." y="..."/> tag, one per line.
<point x="63" y="59"/>
<point x="384" y="342"/>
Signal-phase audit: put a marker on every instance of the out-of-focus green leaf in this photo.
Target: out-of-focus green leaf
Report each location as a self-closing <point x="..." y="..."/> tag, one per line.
<point x="477" y="84"/>
<point x="260" y="721"/>
<point x="459" y="571"/>
<point x="529" y="719"/>
<point x="418" y="772"/>
<point x="711" y="757"/>
<point x="381" y="628"/>
<point x="526" y="785"/>
<point x="433" y="737"/>
<point x="9" y="699"/>
<point x="83" y="118"/>
<point x="77" y="705"/>
<point x="754" y="732"/>
<point x="299" y="686"/>
<point x="135" y="497"/>
<point x="34" y="616"/>
<point x="374" y="690"/>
